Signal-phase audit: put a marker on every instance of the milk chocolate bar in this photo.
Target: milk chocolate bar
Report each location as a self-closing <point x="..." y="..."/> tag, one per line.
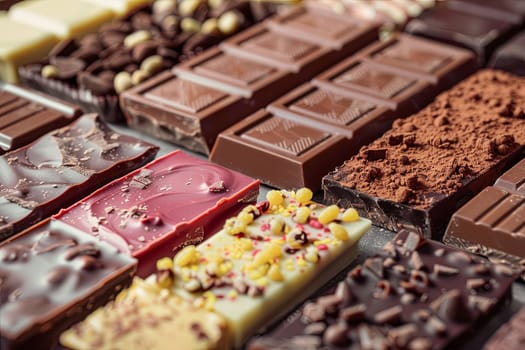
<point x="429" y="164"/>
<point x="26" y="115"/>
<point x="61" y="167"/>
<point x="493" y="223"/>
<point x="214" y="90"/>
<point x="510" y="57"/>
<point x="510" y="336"/>
<point x="53" y="276"/>
<point x="145" y="315"/>
<point x="156" y="210"/>
<point x="299" y="154"/>
<point x="266" y="259"/>
<point x="480" y="31"/>
<point x="415" y="294"/>
<point x="358" y="99"/>
<point x="94" y="70"/>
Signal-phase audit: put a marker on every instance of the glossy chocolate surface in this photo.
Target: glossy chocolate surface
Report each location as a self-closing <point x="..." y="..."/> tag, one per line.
<point x="156" y="210"/>
<point x="493" y="222"/>
<point x="61" y="167"/>
<point x="510" y="57"/>
<point x="280" y="152"/>
<point x="52" y="276"/>
<point x="508" y="10"/>
<point x="415" y="294"/>
<point x="466" y="28"/>
<point x="26" y="115"/>
<point x="429" y="164"/>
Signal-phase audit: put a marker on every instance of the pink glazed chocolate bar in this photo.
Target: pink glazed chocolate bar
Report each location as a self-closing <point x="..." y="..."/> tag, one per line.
<point x="156" y="210"/>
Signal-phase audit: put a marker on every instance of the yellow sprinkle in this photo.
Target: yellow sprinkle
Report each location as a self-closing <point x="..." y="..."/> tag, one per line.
<point x="322" y="241"/>
<point x="350" y="215"/>
<point x="304" y="195"/>
<point x="328" y="214"/>
<point x="301" y="262"/>
<point x="338" y="231"/>
<point x="210" y="300"/>
<point x="165" y="264"/>
<point x="312" y="255"/>
<point x="275" y="273"/>
<point x="261" y="282"/>
<point x="188" y="255"/>
<point x="232" y="294"/>
<point x="301" y="215"/>
<point x="274" y="197"/>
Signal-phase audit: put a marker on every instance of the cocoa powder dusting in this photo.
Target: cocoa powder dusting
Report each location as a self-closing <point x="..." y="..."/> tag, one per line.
<point x="432" y="153"/>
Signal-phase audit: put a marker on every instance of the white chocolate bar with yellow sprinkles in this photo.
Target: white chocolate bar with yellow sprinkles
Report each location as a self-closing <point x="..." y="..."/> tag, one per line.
<point x="267" y="260"/>
<point x="147" y="316"/>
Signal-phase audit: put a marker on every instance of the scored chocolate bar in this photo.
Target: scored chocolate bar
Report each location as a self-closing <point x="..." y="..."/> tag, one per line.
<point x="156" y="210"/>
<point x="415" y="294"/>
<point x="94" y="70"/>
<point x="358" y="99"/>
<point x="429" y="164"/>
<point x="26" y="115"/>
<point x="480" y="26"/>
<point x="52" y="276"/>
<point x="212" y="91"/>
<point x="510" y="57"/>
<point x="493" y="223"/>
<point x="61" y="167"/>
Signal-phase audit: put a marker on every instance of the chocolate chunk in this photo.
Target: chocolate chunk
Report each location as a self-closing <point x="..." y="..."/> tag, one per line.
<point x="68" y="67"/>
<point x="98" y="85"/>
<point x="336" y="335"/>
<point x="451" y="306"/>
<point x="391" y="315"/>
<point x="353" y="313"/>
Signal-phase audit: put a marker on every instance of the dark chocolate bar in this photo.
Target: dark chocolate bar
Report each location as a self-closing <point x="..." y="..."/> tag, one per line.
<point x="153" y="212"/>
<point x="510" y="57"/>
<point x="479" y="32"/>
<point x="493" y="223"/>
<point x="511" y="336"/>
<point x="429" y="164"/>
<point x="52" y="276"/>
<point x="415" y="294"/>
<point x="507" y="10"/>
<point x="212" y="91"/>
<point x="6" y="4"/>
<point x="61" y="167"/>
<point x="26" y="115"/>
<point x="280" y="152"/>
<point x="94" y="70"/>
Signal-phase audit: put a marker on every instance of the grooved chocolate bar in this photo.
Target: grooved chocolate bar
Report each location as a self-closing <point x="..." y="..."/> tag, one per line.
<point x="94" y="70"/>
<point x="429" y="164"/>
<point x="61" y="167"/>
<point x="493" y="222"/>
<point x="212" y="91"/>
<point x="357" y="99"/>
<point x="160" y="208"/>
<point x="415" y="294"/>
<point x="510" y="57"/>
<point x="480" y="26"/>
<point x="26" y="115"/>
<point x="52" y="276"/>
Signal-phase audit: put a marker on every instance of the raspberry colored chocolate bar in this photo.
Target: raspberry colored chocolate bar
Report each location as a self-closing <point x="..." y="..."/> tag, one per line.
<point x="26" y="115"/>
<point x="427" y="165"/>
<point x="52" y="276"/>
<point x="156" y="210"/>
<point x="207" y="94"/>
<point x="493" y="223"/>
<point x="61" y="167"/>
<point x="415" y="294"/>
<point x="312" y="129"/>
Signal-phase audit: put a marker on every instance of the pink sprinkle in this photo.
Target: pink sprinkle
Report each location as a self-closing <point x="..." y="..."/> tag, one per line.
<point x="203" y="260"/>
<point x="230" y="274"/>
<point x="322" y="247"/>
<point x="220" y="296"/>
<point x="315" y="224"/>
<point x="300" y="227"/>
<point x="326" y="229"/>
<point x="255" y="252"/>
<point x="265" y="227"/>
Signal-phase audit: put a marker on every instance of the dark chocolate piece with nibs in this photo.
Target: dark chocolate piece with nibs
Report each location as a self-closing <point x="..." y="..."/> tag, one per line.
<point x="25" y="115"/>
<point x="438" y="158"/>
<point x="61" y="167"/>
<point x="438" y="316"/>
<point x="52" y="276"/>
